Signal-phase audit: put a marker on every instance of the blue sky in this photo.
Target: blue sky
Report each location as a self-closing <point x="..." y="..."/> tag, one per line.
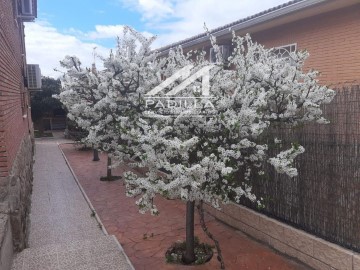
<point x="75" y="27"/>
<point x="78" y="15"/>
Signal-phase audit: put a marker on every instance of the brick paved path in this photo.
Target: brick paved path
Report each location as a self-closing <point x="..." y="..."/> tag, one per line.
<point x="145" y="238"/>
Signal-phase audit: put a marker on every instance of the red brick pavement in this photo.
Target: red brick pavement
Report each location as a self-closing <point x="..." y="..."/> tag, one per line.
<point x="145" y="238"/>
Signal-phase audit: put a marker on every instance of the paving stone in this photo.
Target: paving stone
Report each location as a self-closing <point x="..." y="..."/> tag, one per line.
<point x="145" y="238"/>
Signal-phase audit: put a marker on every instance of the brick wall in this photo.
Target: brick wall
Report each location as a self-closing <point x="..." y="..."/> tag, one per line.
<point x="16" y="143"/>
<point x="332" y="39"/>
<point x="13" y="97"/>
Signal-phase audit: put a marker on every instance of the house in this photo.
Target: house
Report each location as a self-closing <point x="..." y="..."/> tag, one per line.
<point x="16" y="131"/>
<point x="314" y="217"/>
<point x="328" y="29"/>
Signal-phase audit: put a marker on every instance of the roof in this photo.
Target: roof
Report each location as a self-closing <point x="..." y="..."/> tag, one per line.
<point x="230" y="26"/>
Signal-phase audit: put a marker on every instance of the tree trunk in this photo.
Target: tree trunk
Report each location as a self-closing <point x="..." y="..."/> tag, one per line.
<point x="96" y="155"/>
<point x="108" y="174"/>
<point x="189" y="256"/>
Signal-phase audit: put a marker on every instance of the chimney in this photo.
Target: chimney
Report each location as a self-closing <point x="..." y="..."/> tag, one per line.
<point x="93" y="68"/>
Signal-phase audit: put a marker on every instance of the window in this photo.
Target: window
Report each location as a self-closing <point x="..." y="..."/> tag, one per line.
<point x="26" y="7"/>
<point x="224" y="52"/>
<point x="25" y="10"/>
<point x="285" y="51"/>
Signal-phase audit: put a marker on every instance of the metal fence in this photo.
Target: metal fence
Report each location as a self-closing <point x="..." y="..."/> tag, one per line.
<point x="325" y="198"/>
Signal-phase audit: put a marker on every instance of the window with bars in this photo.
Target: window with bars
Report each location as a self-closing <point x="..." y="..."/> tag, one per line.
<point x="285" y="51"/>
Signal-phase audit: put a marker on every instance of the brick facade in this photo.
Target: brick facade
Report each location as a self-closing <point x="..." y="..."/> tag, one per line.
<point x="13" y="95"/>
<point x="332" y="39"/>
<point x="16" y="140"/>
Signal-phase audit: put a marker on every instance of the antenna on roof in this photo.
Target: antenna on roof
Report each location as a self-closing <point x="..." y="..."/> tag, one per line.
<point x="94" y="53"/>
<point x="93" y="69"/>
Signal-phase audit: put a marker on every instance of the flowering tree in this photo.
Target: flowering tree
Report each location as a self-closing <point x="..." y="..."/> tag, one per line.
<point x="106" y="103"/>
<point x="203" y="147"/>
<point x="82" y="95"/>
<point x="196" y="151"/>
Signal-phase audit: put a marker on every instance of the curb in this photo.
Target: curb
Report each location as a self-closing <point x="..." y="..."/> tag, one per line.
<point x="123" y="251"/>
<point x="92" y="207"/>
<point x="83" y="191"/>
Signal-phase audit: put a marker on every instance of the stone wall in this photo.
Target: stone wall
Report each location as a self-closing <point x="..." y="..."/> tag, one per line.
<point x="15" y="193"/>
<point x="6" y="245"/>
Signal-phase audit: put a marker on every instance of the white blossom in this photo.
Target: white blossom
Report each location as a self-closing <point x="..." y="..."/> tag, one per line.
<point x="202" y="157"/>
<point x="193" y="155"/>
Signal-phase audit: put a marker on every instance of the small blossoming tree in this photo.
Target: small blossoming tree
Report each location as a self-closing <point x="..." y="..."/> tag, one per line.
<point x="196" y="153"/>
<point x="207" y="150"/>
<point x="83" y="95"/>
<point x="107" y="102"/>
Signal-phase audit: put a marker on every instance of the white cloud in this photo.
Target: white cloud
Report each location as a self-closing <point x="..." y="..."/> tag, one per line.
<point x="46" y="46"/>
<point x="101" y="32"/>
<point x="179" y="19"/>
<point x="106" y="31"/>
<point x="173" y="19"/>
<point x="154" y="10"/>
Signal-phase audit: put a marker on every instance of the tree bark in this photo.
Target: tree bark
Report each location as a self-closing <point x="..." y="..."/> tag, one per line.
<point x="108" y="173"/>
<point x="96" y="155"/>
<point x="109" y="176"/>
<point x="189" y="256"/>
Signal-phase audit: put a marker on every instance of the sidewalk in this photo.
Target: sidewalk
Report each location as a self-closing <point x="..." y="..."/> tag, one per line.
<point x="63" y="233"/>
<point x="145" y="238"/>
